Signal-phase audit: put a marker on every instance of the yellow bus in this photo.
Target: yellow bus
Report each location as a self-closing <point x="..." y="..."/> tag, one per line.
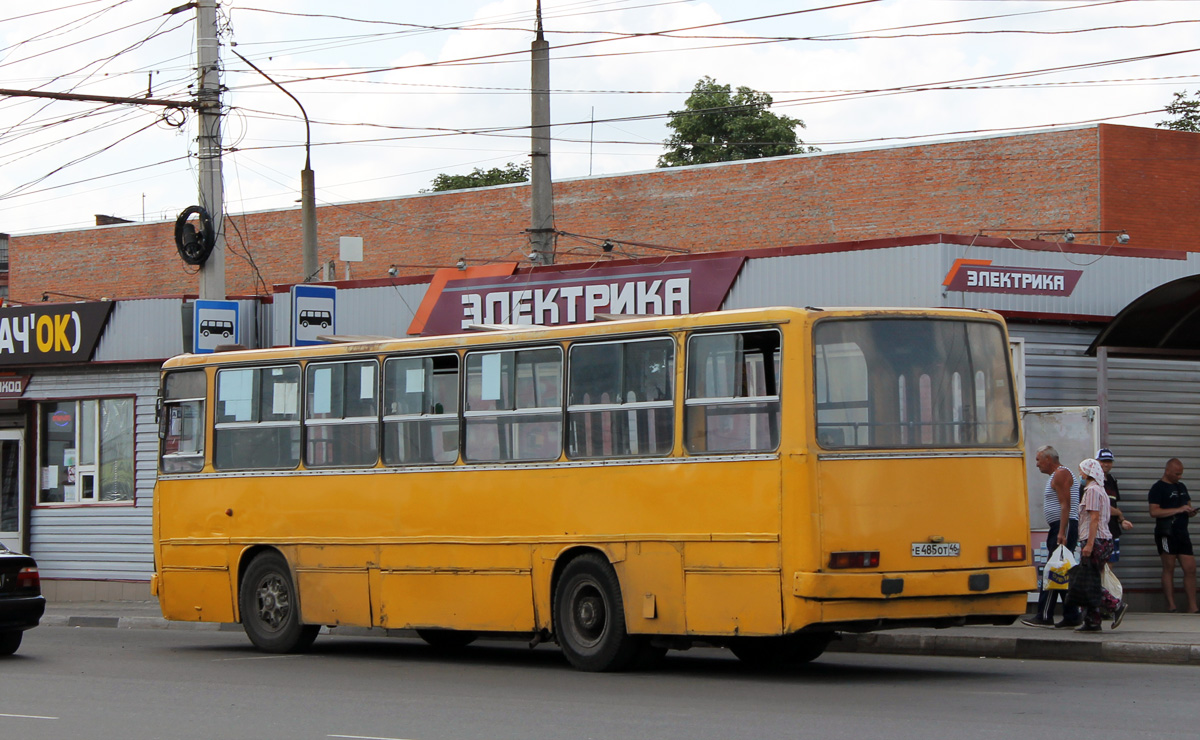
<point x="757" y="479"/>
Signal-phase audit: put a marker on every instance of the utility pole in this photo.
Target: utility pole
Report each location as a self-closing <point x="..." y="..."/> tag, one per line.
<point x="208" y="90"/>
<point x="541" y="232"/>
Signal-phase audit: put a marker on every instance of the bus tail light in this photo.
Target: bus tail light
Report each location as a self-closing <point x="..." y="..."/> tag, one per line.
<point x="28" y="578"/>
<point x="1006" y="553"/>
<point x="861" y="559"/>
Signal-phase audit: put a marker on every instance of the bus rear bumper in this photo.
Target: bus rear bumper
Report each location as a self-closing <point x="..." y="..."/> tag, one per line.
<point x="914" y="584"/>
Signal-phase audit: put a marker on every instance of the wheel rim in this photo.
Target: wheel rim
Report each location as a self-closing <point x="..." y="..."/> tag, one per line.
<point x="589" y="614"/>
<point x="274" y="601"/>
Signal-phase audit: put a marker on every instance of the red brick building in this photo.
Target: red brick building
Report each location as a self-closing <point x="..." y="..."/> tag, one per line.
<point x="1092" y="179"/>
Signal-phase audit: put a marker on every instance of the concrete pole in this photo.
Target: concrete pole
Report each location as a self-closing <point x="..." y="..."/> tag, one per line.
<point x="208" y="90"/>
<point x="308" y="221"/>
<point x="541" y="232"/>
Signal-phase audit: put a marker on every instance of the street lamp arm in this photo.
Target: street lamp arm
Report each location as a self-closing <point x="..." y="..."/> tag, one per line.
<point x="307" y="129"/>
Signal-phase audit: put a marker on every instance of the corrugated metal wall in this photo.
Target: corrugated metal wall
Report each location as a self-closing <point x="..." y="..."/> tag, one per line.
<point x="384" y="310"/>
<point x="913" y="275"/>
<point x="100" y="542"/>
<point x="1154" y="415"/>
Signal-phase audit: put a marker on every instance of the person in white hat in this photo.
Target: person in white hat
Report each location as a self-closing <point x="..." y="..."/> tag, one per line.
<point x="1097" y="543"/>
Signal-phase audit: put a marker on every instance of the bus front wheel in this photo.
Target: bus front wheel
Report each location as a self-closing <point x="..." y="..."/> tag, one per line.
<point x="589" y="617"/>
<point x="778" y="652"/>
<point x="270" y="608"/>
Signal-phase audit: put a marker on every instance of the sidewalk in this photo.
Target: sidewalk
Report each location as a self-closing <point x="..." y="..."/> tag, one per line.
<point x="1142" y="638"/>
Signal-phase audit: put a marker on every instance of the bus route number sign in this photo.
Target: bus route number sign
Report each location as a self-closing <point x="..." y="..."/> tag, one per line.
<point x="935" y="549"/>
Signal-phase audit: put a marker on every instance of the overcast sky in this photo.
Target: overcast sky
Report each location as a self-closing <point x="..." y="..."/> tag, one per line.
<point x="401" y="78"/>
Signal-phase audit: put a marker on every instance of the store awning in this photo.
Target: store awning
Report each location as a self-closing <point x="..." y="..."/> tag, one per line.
<point x="1162" y="323"/>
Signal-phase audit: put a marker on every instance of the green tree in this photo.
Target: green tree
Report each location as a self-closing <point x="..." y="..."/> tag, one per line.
<point x="720" y="125"/>
<point x="1186" y="112"/>
<point x="480" y="178"/>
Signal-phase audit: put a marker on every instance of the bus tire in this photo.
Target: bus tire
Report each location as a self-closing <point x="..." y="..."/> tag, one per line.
<point x="270" y="607"/>
<point x="589" y="617"/>
<point x="10" y="641"/>
<point x="447" y="639"/>
<point x="779" y="652"/>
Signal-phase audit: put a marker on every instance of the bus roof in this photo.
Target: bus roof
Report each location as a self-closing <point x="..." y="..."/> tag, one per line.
<point x="501" y="334"/>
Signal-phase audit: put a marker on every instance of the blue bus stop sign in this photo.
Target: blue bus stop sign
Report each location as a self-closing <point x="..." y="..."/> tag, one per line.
<point x="214" y="323"/>
<point x="314" y="313"/>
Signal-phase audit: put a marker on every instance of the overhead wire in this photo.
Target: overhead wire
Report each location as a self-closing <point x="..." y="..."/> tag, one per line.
<point x="503" y="131"/>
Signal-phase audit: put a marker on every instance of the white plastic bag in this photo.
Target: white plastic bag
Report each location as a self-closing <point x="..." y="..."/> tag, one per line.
<point x="1054" y="575"/>
<point x="1109" y="582"/>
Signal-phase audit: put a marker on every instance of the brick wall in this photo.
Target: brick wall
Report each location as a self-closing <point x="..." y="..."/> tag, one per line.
<point x="1089" y="179"/>
<point x="1150" y="185"/>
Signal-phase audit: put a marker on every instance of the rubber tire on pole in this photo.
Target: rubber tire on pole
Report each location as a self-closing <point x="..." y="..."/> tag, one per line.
<point x="778" y="652"/>
<point x="196" y="253"/>
<point x="270" y="607"/>
<point x="10" y="641"/>
<point x="589" y="617"/>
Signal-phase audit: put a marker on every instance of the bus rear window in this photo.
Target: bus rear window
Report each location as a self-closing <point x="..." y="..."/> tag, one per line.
<point x="885" y="383"/>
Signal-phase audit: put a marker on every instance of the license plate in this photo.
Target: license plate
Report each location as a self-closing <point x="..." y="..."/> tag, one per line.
<point x="935" y="549"/>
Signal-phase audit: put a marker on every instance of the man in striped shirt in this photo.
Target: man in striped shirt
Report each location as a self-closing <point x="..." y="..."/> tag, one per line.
<point x="1060" y="504"/>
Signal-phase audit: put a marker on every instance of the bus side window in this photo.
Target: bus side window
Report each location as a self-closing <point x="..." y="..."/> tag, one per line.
<point x="621" y="399"/>
<point x="420" y="422"/>
<point x="257" y="418"/>
<point x="182" y="424"/>
<point x="513" y="405"/>
<point x="341" y="414"/>
<point x="732" y="402"/>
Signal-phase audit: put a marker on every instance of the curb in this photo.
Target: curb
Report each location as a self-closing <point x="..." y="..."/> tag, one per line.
<point x="882" y="643"/>
<point x="1020" y="648"/>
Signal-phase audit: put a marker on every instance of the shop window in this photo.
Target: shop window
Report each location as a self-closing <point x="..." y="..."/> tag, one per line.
<point x="181" y="422"/>
<point x="85" y="451"/>
<point x="341" y="414"/>
<point x="420" y="423"/>
<point x="732" y="402"/>
<point x="621" y="399"/>
<point x="514" y="405"/>
<point x="257" y="418"/>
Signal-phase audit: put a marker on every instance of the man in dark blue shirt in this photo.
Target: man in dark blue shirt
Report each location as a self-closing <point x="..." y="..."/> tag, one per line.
<point x="1171" y="507"/>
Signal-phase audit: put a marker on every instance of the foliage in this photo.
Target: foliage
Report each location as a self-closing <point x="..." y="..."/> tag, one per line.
<point x="480" y="178"/>
<point x="720" y="125"/>
<point x="1186" y="112"/>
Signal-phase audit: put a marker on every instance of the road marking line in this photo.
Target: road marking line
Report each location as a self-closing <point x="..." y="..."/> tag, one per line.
<point x="26" y="716"/>
<point x="258" y="657"/>
<point x="365" y="737"/>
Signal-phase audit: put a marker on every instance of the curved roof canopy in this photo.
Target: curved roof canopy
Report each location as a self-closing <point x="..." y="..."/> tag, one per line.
<point x="1164" y="323"/>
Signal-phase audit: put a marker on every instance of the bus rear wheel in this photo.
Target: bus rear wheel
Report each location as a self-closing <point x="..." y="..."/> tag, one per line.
<point x="589" y="617"/>
<point x="779" y="652"/>
<point x="447" y="639"/>
<point x="270" y="607"/>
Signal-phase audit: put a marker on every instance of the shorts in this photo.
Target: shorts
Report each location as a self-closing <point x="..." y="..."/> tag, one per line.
<point x="1173" y="543"/>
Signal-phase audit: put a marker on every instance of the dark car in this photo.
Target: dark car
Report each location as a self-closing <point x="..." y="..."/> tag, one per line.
<point x="21" y="600"/>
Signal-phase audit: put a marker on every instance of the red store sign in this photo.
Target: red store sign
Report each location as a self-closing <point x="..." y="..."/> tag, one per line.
<point x="558" y="297"/>
<point x="981" y="276"/>
<point x="13" y="386"/>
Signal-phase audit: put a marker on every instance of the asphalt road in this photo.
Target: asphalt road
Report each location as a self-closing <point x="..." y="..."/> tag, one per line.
<point x="138" y="684"/>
